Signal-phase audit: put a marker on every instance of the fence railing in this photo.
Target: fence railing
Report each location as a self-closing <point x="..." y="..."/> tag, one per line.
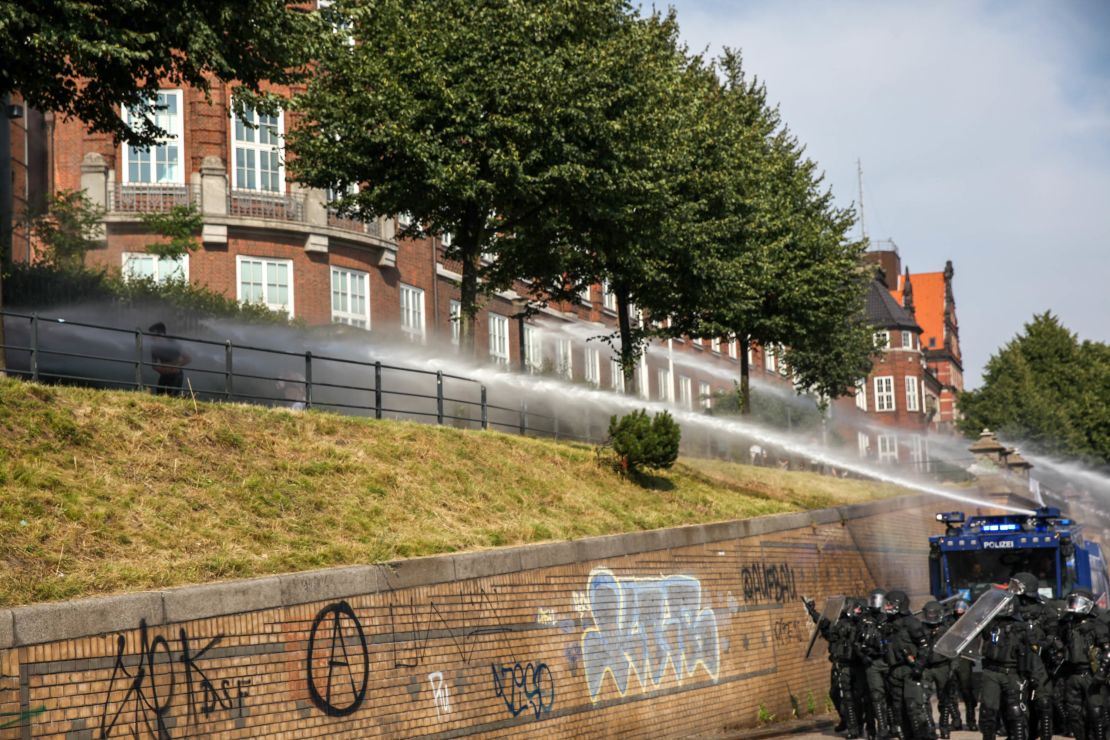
<point x="85" y="353"/>
<point x="373" y="228"/>
<point x="274" y="206"/>
<point x="149" y="198"/>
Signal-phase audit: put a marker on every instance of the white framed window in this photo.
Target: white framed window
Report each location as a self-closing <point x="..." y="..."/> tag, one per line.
<point x="715" y="345"/>
<point x="705" y="395"/>
<point x="404" y="220"/>
<point x="593" y="366"/>
<point x="882" y="339"/>
<point x="769" y="358"/>
<point x="533" y="348"/>
<point x="256" y="162"/>
<point x="888" y="448"/>
<point x="907" y="339"/>
<point x="751" y="355"/>
<point x="160" y="163"/>
<point x="564" y="358"/>
<point x="499" y="339"/>
<point x="608" y="297"/>
<point x="666" y="385"/>
<point x="884" y="393"/>
<point x="454" y="315"/>
<point x="616" y="375"/>
<point x="734" y="349"/>
<point x="919" y="452"/>
<point x="266" y="281"/>
<point x="350" y="297"/>
<point x="864" y="442"/>
<point x="643" y="380"/>
<point x="159" y="269"/>
<point x="446" y="238"/>
<point x="861" y="394"/>
<point x="412" y="312"/>
<point x="780" y="355"/>
<point x="685" y="392"/>
<point x="912" y="397"/>
<point x="584" y="294"/>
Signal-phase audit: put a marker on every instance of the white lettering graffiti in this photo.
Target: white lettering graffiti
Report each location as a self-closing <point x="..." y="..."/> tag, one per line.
<point x="643" y="625"/>
<point x="440" y="695"/>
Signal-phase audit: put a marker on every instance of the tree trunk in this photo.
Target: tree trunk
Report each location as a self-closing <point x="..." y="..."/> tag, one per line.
<point x="468" y="300"/>
<point x="745" y="384"/>
<point x="628" y="349"/>
<point x="6" y="212"/>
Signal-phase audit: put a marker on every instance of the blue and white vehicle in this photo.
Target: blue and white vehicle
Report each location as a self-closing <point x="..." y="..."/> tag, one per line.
<point x="976" y="554"/>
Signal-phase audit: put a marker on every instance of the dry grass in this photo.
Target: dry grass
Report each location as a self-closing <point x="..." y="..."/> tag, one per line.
<point x="103" y="492"/>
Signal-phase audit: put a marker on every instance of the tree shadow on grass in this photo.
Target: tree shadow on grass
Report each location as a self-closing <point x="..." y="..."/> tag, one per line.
<point x="652" y="481"/>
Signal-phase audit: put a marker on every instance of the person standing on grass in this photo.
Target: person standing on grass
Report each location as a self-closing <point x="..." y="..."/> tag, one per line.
<point x="168" y="359"/>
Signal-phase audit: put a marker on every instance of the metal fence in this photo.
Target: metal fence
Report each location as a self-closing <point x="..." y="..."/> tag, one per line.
<point x="60" y="350"/>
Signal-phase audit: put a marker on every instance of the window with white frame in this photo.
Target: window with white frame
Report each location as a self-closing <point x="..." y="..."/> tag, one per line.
<point x="888" y="448"/>
<point x="608" y="297"/>
<point x="919" y="452"/>
<point x="564" y="358"/>
<point x="152" y="267"/>
<point x="685" y="392"/>
<point x="780" y="355"/>
<point x="533" y="348"/>
<point x="751" y="356"/>
<point x="715" y="345"/>
<point x="912" y="397"/>
<point x="593" y="366"/>
<point x="257" y="152"/>
<point x="454" y="315"/>
<point x="499" y="339"/>
<point x="907" y="340"/>
<point x="884" y="393"/>
<point x="882" y="339"/>
<point x="643" y="380"/>
<point x="266" y="281"/>
<point x="350" y="297"/>
<point x="584" y="294"/>
<point x="861" y="394"/>
<point x="616" y="375"/>
<point x="734" y="349"/>
<point x="769" y="358"/>
<point x="666" y="385"/>
<point x="705" y="395"/>
<point x="446" y="238"/>
<point x="864" y="442"/>
<point x="412" y="312"/>
<point x="160" y="163"/>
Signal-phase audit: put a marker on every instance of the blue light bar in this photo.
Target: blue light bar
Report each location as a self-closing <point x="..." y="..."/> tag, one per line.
<point x="1008" y="527"/>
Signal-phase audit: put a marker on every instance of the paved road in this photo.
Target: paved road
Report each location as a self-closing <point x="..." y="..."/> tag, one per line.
<point x="828" y="734"/>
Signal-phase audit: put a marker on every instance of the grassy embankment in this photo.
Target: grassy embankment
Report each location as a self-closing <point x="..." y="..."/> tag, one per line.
<point x="103" y="492"/>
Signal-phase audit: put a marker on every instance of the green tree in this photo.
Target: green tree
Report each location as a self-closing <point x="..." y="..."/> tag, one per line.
<point x="640" y="441"/>
<point x="179" y="226"/>
<point x="85" y="58"/>
<point x="469" y="116"/>
<point x="1045" y="389"/>
<point x="68" y="228"/>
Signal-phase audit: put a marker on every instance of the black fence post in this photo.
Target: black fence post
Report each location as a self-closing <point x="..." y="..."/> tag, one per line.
<point x="378" y="390"/>
<point x="139" y="358"/>
<point x="523" y="416"/>
<point x="555" y="416"/>
<point x="227" y="369"/>
<point x="485" y="410"/>
<point x="439" y="397"/>
<point x="34" y="346"/>
<point x="308" y="379"/>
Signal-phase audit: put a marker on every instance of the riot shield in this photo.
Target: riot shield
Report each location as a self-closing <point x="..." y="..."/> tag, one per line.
<point x="960" y="635"/>
<point x="834" y="607"/>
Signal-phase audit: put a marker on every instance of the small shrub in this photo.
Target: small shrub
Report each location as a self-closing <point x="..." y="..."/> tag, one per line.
<point x="764" y="716"/>
<point x="641" y="442"/>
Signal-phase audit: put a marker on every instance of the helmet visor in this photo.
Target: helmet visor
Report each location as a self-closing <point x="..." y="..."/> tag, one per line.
<point x="876" y="601"/>
<point x="1016" y="587"/>
<point x="1080" y="604"/>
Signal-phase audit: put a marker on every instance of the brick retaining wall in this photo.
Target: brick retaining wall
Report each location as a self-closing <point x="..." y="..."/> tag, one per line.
<point x="652" y="634"/>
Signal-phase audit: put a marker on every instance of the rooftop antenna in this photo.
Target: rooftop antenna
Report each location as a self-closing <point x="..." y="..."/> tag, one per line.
<point x="862" y="225"/>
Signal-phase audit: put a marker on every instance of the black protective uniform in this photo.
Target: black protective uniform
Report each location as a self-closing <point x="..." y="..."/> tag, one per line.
<point x="1007" y="659"/>
<point x="871" y="656"/>
<point x="841" y="638"/>
<point x="1043" y="623"/>
<point x="1085" y="638"/>
<point x="907" y="654"/>
<point x="964" y="682"/>
<point x="937" y="670"/>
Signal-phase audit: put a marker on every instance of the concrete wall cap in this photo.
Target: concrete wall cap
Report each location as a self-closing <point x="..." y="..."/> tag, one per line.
<point x="330" y="584"/>
<point x="85" y="617"/>
<point x="419" y="571"/>
<point x="7" y="629"/>
<point x="216" y="599"/>
<point x="212" y="162"/>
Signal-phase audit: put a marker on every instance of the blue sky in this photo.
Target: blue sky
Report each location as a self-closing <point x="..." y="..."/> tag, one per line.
<point x="984" y="132"/>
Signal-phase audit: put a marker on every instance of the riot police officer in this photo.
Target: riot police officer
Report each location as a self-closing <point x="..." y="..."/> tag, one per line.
<point x="1042" y="622"/>
<point x="871" y="655"/>
<point x="1084" y="638"/>
<point x="935" y="674"/>
<point x="841" y="638"/>
<point x="907" y="656"/>
<point x="964" y="681"/>
<point x="1007" y="654"/>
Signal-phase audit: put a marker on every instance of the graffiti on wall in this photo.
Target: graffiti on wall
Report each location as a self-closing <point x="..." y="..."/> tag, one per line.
<point x="521" y="687"/>
<point x="413" y="624"/>
<point x="789" y="630"/>
<point x="643" y="627"/>
<point x="338" y="661"/>
<point x="440" y="695"/>
<point x="773" y="582"/>
<point x="146" y="692"/>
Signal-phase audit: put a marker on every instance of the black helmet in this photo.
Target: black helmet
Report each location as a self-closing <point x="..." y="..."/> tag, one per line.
<point x="1024" y="584"/>
<point x="960" y="607"/>
<point x="1080" y="601"/>
<point x="876" y="599"/>
<point x="855" y="608"/>
<point x="896" y="602"/>
<point x="932" y="613"/>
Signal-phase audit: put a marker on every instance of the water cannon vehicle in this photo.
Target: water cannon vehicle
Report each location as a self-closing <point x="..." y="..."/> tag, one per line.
<point x="974" y="555"/>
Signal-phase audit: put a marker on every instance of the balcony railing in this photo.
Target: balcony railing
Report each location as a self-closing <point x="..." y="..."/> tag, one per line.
<point x="149" y="198"/>
<point x="273" y="206"/>
<point x="373" y="228"/>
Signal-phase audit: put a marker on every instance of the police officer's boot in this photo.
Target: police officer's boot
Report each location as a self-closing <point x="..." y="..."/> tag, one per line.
<point x="971" y="724"/>
<point x="945" y="710"/>
<point x="988" y="727"/>
<point x="1044" y="725"/>
<point x="851" y="716"/>
<point x="1017" y="722"/>
<point x="882" y="718"/>
<point x="1097" y="729"/>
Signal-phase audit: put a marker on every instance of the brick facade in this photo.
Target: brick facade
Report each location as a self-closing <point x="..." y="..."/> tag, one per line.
<point x="535" y="640"/>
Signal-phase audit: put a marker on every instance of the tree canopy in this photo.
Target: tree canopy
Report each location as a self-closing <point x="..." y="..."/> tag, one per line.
<point x="85" y="58"/>
<point x="1048" y="390"/>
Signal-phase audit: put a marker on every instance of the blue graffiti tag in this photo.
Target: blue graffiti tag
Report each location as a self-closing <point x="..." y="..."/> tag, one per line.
<point x="643" y="625"/>
<point x="524" y="686"/>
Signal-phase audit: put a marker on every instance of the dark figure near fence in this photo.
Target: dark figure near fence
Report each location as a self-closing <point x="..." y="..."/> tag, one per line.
<point x="168" y="359"/>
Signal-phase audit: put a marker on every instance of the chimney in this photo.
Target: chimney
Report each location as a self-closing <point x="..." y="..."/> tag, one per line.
<point x="907" y="295"/>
